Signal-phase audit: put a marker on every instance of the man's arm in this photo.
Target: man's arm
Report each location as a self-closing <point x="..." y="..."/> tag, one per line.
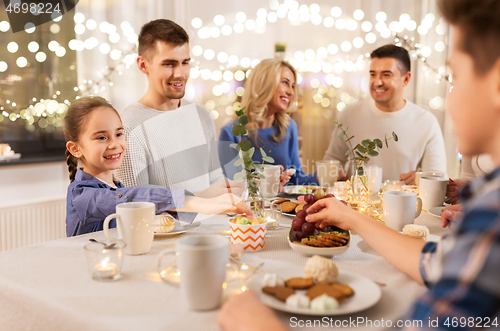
<point x="401" y="251"/>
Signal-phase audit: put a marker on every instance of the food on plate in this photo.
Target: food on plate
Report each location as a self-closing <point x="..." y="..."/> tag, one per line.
<point x="298" y="300"/>
<point x="321" y="270"/>
<point x="319" y="281"/>
<point x="242" y="219"/>
<point x="319" y="194"/>
<point x="416" y="231"/>
<point x="280" y="292"/>
<point x="325" y="240"/>
<point x="164" y="224"/>
<point x="320" y="289"/>
<point x="323" y="303"/>
<point x="346" y="290"/>
<point x="288" y="206"/>
<point x="309" y="198"/>
<point x="273" y="280"/>
<point x="299" y="207"/>
<point x="299" y="283"/>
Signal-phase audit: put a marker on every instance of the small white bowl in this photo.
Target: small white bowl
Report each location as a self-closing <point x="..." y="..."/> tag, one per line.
<point x="322" y="251"/>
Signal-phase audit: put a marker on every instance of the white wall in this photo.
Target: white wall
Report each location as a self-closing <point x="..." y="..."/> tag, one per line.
<point x="32" y="183"/>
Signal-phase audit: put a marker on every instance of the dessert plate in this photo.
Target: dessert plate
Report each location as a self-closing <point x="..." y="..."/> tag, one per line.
<point x="432" y="237"/>
<point x="180" y="227"/>
<point x="366" y="293"/>
<point x="295" y="189"/>
<point x="436" y="211"/>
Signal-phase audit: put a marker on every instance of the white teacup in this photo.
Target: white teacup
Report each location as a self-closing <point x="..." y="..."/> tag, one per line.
<point x="136" y="225"/>
<point x="328" y="172"/>
<point x="421" y="174"/>
<point x="202" y="262"/>
<point x="399" y="208"/>
<point x="270" y="185"/>
<point x="374" y="178"/>
<point x="432" y="190"/>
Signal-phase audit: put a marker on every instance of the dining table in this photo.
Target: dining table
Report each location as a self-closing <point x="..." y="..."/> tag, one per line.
<point x="48" y="287"/>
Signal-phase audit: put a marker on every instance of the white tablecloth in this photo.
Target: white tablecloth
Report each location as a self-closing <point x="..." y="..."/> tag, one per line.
<point x="48" y="287"/>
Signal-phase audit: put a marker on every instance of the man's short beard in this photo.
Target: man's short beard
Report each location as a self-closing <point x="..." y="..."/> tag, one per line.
<point x="175" y="95"/>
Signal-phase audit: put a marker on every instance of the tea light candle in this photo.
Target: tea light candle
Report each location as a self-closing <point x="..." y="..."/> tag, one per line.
<point x="105" y="270"/>
<point x="8" y="151"/>
<point x="271" y="222"/>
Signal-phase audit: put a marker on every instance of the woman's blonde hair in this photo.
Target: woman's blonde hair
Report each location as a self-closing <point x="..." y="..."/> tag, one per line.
<point x="259" y="90"/>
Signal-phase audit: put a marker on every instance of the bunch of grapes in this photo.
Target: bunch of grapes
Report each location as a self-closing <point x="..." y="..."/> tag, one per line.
<point x="302" y="228"/>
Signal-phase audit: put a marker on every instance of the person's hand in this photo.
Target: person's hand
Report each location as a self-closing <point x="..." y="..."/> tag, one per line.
<point x="330" y="211"/>
<point x="222" y="187"/>
<point x="244" y="312"/>
<point x="450" y="214"/>
<point x="342" y="175"/>
<point x="284" y="178"/>
<point x="408" y="178"/>
<point x="225" y="203"/>
<point x="452" y="190"/>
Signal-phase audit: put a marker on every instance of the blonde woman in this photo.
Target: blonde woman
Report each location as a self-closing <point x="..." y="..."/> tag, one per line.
<point x="270" y="95"/>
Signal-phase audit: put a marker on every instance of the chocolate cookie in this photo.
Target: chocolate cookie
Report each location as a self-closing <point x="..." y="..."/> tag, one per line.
<point x="299" y="283"/>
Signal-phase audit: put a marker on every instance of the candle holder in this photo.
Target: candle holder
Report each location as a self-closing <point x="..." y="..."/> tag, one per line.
<point x="272" y="215"/>
<point x="104" y="264"/>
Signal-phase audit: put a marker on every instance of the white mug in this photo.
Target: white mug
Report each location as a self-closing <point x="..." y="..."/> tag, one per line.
<point x="327" y="172"/>
<point x="421" y="174"/>
<point x="136" y="226"/>
<point x="270" y="185"/>
<point x="202" y="262"/>
<point x="374" y="178"/>
<point x="399" y="208"/>
<point x="432" y="190"/>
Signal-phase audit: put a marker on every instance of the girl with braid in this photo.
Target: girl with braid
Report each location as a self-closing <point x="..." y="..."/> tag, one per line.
<point x="94" y="139"/>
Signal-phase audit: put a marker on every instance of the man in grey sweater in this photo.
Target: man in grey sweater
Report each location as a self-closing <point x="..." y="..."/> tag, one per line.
<point x="170" y="142"/>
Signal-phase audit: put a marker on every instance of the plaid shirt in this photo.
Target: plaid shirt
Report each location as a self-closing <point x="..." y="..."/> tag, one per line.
<point x="462" y="272"/>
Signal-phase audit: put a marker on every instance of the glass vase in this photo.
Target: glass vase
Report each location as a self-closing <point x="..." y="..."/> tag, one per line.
<point x="359" y="184"/>
<point x="253" y="197"/>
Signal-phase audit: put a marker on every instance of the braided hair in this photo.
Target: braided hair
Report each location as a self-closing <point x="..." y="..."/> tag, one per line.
<point x="73" y="124"/>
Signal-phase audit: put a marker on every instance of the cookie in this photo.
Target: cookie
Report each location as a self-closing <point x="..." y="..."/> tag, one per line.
<point x="288" y="206"/>
<point x="280" y="201"/>
<point x="320" y="289"/>
<point x="299" y="207"/>
<point x="346" y="290"/>
<point x="299" y="283"/>
<point x="280" y="292"/>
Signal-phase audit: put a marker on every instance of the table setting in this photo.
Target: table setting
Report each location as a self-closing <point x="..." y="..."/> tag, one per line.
<point x="153" y="271"/>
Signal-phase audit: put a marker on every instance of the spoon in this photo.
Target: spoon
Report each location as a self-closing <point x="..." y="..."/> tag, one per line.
<point x="106" y="246"/>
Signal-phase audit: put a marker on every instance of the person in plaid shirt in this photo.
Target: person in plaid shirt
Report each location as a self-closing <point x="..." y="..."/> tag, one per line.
<point x="462" y="271"/>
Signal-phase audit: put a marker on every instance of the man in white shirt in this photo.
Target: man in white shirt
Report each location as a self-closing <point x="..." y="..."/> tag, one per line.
<point x="420" y="145"/>
<point x="170" y="142"/>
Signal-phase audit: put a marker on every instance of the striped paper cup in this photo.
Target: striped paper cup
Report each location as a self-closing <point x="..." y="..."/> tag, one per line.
<point x="251" y="237"/>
